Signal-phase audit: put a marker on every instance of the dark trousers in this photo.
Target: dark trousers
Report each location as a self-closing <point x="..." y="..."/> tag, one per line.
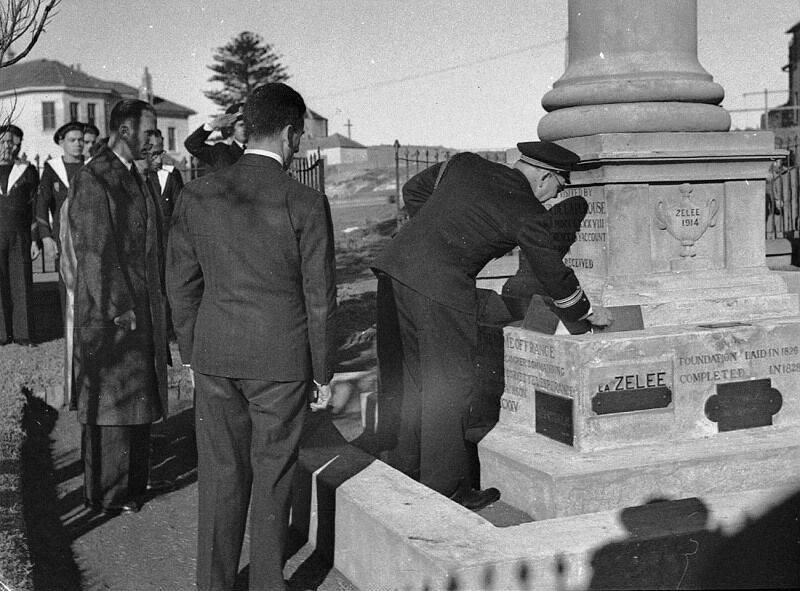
<point x="248" y="435"/>
<point x="15" y="285"/>
<point x="116" y="463"/>
<point x="426" y="354"/>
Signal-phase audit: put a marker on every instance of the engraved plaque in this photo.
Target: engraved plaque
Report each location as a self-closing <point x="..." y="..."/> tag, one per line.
<point x="610" y="402"/>
<point x="554" y="417"/>
<point x="743" y="405"/>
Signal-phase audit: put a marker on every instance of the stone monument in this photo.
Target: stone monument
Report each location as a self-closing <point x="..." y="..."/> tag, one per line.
<point x="704" y="398"/>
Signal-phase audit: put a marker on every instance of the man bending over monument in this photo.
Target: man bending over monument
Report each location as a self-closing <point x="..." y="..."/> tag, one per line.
<point x="463" y="213"/>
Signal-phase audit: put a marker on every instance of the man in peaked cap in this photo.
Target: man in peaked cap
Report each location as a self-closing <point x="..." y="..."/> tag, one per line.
<point x="463" y="213"/>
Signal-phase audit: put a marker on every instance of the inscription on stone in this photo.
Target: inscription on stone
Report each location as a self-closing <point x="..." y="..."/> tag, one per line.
<point x="743" y="405"/>
<point x="554" y="417"/>
<point x="641" y="385"/>
<point x="588" y="251"/>
<point x="631" y="392"/>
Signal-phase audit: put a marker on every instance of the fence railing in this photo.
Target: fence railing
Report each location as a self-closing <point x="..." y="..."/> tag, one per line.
<point x="783" y="203"/>
<point x="410" y="160"/>
<point x="309" y="170"/>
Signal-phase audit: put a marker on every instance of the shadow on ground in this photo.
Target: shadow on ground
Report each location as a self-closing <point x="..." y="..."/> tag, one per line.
<point x="49" y="542"/>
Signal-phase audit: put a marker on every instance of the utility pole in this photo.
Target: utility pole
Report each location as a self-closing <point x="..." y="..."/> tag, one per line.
<point x="348" y="125"/>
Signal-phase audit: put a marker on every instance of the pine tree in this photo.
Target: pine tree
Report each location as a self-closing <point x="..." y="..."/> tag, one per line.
<point x="241" y="65"/>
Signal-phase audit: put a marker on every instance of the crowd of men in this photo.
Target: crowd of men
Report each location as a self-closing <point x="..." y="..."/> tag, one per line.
<point x="239" y="267"/>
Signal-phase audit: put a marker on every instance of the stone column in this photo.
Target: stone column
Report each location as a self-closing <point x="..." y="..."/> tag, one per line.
<point x="632" y="68"/>
<point x="703" y="359"/>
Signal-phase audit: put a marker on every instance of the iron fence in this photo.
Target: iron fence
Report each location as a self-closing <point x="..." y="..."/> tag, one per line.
<point x="410" y="160"/>
<point x="309" y="170"/>
<point x="783" y="192"/>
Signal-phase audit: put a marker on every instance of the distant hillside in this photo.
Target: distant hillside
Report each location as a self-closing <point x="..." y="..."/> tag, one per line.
<point x="345" y="181"/>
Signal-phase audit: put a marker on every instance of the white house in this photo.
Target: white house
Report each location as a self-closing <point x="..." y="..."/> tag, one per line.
<point x="335" y="149"/>
<point x="42" y="95"/>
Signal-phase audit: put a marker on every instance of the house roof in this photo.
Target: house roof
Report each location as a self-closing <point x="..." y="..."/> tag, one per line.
<point x="46" y="73"/>
<point x="335" y="141"/>
<point x="314" y="115"/>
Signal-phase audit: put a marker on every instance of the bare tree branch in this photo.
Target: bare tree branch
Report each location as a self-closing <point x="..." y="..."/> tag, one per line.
<point x="18" y="18"/>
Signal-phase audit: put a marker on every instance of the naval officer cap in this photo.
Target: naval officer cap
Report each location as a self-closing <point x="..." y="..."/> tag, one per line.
<point x="549" y="156"/>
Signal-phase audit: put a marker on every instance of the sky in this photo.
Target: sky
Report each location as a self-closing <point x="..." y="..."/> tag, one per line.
<point x="465" y="74"/>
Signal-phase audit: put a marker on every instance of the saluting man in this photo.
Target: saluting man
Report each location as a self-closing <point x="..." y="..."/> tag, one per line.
<point x="220" y="154"/>
<point x="463" y="213"/>
<point x="18" y="183"/>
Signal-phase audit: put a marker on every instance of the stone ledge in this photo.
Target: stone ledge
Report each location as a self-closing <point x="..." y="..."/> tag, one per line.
<point x="393" y="533"/>
<point x="547" y="479"/>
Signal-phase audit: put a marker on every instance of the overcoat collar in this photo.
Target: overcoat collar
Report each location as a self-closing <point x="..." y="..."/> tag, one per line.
<point x="120" y="175"/>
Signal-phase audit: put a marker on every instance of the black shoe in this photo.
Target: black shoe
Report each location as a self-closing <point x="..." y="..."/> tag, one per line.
<point x="114" y="510"/>
<point x="474" y="499"/>
<point x="160" y="486"/>
<point x="26" y="343"/>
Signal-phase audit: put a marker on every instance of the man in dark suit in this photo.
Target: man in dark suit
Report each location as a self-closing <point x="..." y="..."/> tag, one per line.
<point x="462" y="216"/>
<point x="53" y="187"/>
<point x="164" y="179"/>
<point x="220" y="154"/>
<point x="120" y="343"/>
<point x="250" y="276"/>
<point x="18" y="184"/>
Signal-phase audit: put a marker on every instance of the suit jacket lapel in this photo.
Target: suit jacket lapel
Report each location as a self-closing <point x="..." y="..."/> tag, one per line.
<point x="57" y="164"/>
<point x="126" y="180"/>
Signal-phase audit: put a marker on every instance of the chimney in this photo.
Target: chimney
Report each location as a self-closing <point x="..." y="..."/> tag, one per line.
<point x="146" y="87"/>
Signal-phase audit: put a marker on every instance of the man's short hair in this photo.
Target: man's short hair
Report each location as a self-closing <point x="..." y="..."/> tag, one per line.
<point x="90" y="128"/>
<point x="154" y="133"/>
<point x="12" y="129"/>
<point x="128" y="110"/>
<point x="271" y="107"/>
<point x="62" y="131"/>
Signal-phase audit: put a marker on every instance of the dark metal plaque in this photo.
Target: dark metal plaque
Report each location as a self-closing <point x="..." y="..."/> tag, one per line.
<point x="613" y="401"/>
<point x="554" y="417"/>
<point x="743" y="405"/>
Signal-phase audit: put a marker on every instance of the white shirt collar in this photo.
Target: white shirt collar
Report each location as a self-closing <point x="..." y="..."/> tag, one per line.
<point x="238" y="143"/>
<point x="266" y="153"/>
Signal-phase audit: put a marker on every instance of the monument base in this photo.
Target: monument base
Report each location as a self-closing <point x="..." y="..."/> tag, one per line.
<point x="548" y="479"/>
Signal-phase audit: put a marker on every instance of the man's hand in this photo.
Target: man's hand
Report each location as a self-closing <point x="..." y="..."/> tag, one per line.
<point x="50" y="246"/>
<point x="323" y="397"/>
<point x="224" y="120"/>
<point x="35" y="251"/>
<point x="600" y="317"/>
<point x="126" y="320"/>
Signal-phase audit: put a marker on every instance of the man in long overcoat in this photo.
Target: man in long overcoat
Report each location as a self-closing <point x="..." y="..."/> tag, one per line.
<point x="120" y="348"/>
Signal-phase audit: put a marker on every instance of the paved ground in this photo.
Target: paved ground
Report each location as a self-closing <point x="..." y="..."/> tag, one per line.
<point x="153" y="550"/>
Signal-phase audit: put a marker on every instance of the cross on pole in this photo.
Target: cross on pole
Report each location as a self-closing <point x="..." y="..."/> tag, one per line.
<point x="348" y="125"/>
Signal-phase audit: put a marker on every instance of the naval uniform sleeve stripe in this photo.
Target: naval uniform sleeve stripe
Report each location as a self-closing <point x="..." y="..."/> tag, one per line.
<point x="569" y="300"/>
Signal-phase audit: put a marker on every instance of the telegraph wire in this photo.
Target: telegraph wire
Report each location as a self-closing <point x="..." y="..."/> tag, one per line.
<point x="445" y="70"/>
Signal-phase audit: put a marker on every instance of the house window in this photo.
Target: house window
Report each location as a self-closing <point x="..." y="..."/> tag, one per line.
<point x="90" y="113"/>
<point x="171" y="139"/>
<point x="48" y="116"/>
<point x="73" y="111"/>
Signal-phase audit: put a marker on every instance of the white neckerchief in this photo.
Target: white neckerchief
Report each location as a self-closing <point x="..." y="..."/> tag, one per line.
<point x="57" y="164"/>
<point x="16" y="172"/>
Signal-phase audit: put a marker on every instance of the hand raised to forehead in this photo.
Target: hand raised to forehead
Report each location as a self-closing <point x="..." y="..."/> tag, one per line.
<point x="224" y="120"/>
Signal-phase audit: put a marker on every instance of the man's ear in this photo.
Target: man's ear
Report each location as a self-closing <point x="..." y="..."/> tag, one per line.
<point x="124" y="130"/>
<point x="286" y="133"/>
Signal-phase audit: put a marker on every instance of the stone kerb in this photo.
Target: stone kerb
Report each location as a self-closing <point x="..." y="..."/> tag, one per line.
<point x="393" y="533"/>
